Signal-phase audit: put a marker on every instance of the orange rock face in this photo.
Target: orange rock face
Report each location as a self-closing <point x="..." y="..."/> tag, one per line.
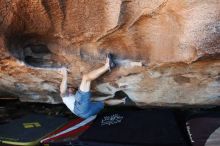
<point x="167" y="51"/>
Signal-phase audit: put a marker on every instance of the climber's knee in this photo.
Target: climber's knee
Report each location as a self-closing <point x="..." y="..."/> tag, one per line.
<point x="85" y="84"/>
<point x="86" y="78"/>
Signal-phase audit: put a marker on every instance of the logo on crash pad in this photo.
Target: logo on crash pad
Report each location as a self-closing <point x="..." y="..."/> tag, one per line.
<point x="32" y="125"/>
<point x="111" y="120"/>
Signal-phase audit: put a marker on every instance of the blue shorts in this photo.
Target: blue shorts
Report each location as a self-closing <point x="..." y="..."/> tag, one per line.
<point x="84" y="107"/>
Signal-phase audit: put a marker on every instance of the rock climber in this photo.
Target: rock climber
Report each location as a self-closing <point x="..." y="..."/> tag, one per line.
<point x="80" y="103"/>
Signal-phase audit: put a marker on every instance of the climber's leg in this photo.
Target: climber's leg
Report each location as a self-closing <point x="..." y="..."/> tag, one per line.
<point x="89" y="77"/>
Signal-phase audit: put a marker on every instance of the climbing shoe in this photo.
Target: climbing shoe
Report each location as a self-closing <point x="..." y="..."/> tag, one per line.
<point x="111" y="61"/>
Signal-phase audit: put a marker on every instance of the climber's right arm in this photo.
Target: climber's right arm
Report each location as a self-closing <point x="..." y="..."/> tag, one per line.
<point x="63" y="85"/>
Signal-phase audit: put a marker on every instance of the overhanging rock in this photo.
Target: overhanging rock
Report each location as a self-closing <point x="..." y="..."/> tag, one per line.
<point x="167" y="50"/>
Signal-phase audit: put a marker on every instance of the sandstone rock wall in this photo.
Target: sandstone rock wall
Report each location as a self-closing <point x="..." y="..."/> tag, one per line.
<point x="167" y="50"/>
